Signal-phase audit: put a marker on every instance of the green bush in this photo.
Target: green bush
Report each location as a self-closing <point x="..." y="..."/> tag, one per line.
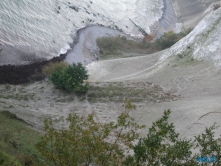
<point x="170" y="38"/>
<point x="164" y="146"/>
<point x="71" y="78"/>
<point x="88" y="142"/>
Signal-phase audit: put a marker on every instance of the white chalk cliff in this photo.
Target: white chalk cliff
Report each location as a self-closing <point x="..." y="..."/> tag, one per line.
<point x="204" y="42"/>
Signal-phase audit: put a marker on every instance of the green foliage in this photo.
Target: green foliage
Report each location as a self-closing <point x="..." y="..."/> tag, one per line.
<point x="162" y="146"/>
<point x="167" y="40"/>
<point x="50" y="68"/>
<point x="6" y="159"/>
<point x="17" y="141"/>
<point x="122" y="47"/>
<point x="87" y="141"/>
<point x="170" y="38"/>
<point x="110" y="45"/>
<point x="209" y="146"/>
<point x="70" y="78"/>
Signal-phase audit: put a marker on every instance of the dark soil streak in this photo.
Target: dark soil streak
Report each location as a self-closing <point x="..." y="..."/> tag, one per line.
<point x="20" y="74"/>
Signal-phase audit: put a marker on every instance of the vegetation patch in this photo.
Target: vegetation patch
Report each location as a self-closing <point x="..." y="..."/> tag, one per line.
<point x="184" y="59"/>
<point x="170" y="38"/>
<point x="135" y="92"/>
<point x="115" y="47"/>
<point x="120" y="46"/>
<point x="17" y="141"/>
<point x="88" y="142"/>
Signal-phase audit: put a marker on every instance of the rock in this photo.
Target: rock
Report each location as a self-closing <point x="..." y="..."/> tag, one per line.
<point x="74" y="7"/>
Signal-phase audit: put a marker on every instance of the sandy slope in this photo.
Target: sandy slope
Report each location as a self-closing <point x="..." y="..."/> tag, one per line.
<point x="196" y="82"/>
<point x="184" y="69"/>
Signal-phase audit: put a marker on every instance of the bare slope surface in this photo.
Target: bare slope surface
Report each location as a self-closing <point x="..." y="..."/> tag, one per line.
<point x="190" y="12"/>
<point x="175" y="79"/>
<point x="35" y="102"/>
<point x="191" y="68"/>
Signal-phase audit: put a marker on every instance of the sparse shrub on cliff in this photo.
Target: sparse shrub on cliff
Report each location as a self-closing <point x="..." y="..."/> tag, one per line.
<point x="71" y="77"/>
<point x="167" y="40"/>
<point x="122" y="47"/>
<point x="170" y="38"/>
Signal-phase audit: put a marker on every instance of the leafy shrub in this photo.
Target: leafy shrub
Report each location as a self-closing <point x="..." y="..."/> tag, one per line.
<point x="124" y="38"/>
<point x="71" y="77"/>
<point x="163" y="146"/>
<point x="51" y="67"/>
<point x="88" y="142"/>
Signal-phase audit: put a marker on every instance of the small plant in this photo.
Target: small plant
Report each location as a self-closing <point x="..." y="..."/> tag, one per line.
<point x="124" y="38"/>
<point x="180" y="55"/>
